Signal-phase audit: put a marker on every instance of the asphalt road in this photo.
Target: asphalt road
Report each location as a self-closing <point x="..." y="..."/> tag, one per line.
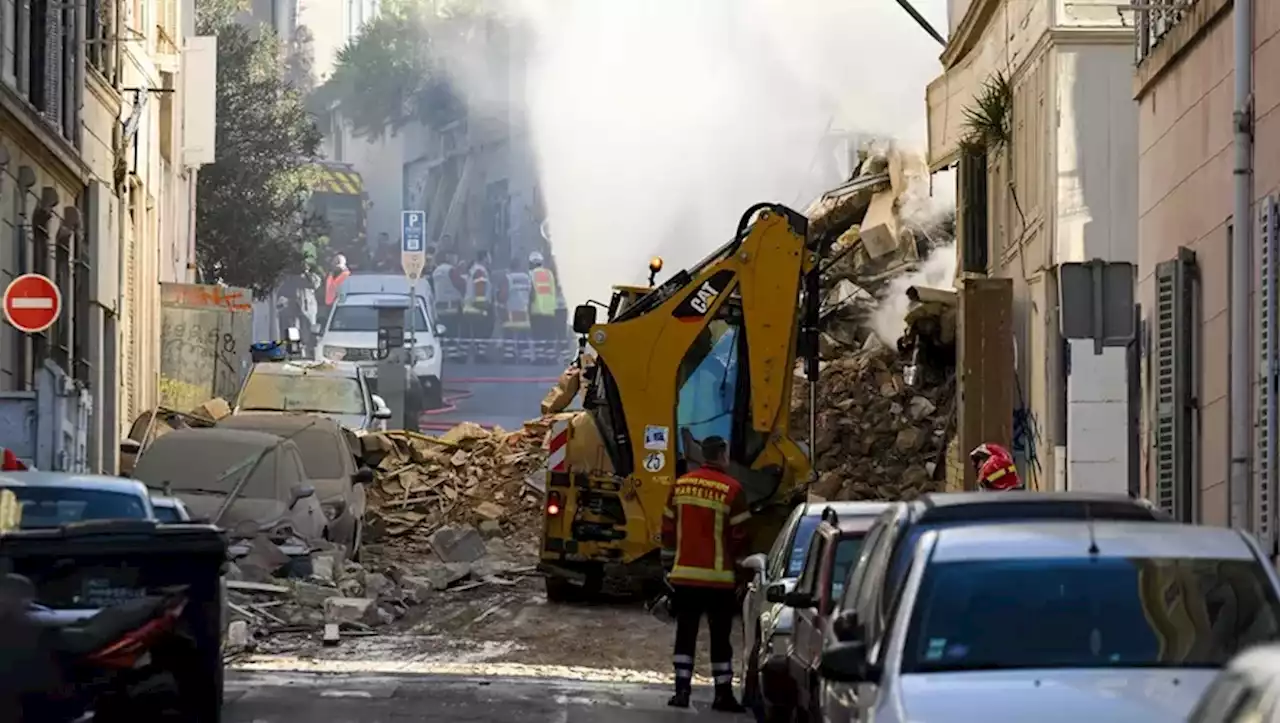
<point x="491" y="394"/>
<point x="307" y="698"/>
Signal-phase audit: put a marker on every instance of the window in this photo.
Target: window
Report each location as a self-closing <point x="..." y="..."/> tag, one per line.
<point x="850" y="596"/>
<point x="800" y="548"/>
<point x="973" y="183"/>
<point x="812" y="564"/>
<point x="166" y="513"/>
<point x="1089" y="613"/>
<point x="846" y="555"/>
<point x="55" y="506"/>
<point x="707" y="385"/>
<point x="302" y="393"/>
<point x="365" y="318"/>
<point x="321" y="453"/>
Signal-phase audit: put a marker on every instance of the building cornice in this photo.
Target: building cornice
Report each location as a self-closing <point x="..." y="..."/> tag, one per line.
<point x="1194" y="24"/>
<point x="33" y="135"/>
<point x="968" y="32"/>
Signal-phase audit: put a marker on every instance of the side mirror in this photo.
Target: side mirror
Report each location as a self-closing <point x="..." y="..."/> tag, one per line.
<point x="441" y="329"/>
<point x="363" y="476"/>
<point x="798" y="600"/>
<point x="130" y="446"/>
<point x="584" y="317"/>
<point x="776" y="593"/>
<point x="756" y="563"/>
<point x="380" y="408"/>
<point x="845" y="625"/>
<point x="847" y="663"/>
<point x="299" y="493"/>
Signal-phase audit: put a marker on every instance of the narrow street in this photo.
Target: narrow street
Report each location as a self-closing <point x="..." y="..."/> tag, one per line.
<point x="353" y="698"/>
<point x="491" y="394"/>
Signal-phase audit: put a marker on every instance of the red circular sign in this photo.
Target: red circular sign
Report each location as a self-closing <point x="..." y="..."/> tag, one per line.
<point x="32" y="303"/>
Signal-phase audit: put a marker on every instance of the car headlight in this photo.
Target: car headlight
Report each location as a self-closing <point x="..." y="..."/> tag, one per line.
<point x="424" y="353"/>
<point x="334" y="353"/>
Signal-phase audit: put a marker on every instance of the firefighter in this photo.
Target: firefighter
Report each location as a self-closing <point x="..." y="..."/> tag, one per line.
<point x="542" y="308"/>
<point x="11" y="463"/>
<point x="333" y="282"/>
<point x="994" y="468"/>
<point x="447" y="287"/>
<point x="516" y="301"/>
<point x="702" y="536"/>
<point x="477" y="299"/>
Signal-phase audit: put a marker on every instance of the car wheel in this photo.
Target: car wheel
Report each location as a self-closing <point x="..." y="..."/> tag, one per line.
<point x="560" y="590"/>
<point x="433" y="398"/>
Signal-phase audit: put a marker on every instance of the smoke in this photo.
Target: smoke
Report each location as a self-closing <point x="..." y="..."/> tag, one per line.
<point x="656" y="123"/>
<point x="938" y="270"/>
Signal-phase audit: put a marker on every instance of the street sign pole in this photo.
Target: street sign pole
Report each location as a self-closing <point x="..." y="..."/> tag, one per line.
<point x="413" y="259"/>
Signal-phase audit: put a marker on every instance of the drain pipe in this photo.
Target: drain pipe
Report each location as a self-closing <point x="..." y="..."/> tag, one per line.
<point x="1239" y="486"/>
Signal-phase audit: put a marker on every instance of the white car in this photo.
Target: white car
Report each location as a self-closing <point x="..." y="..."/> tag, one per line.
<point x="1057" y="621"/>
<point x="351" y="334"/>
<point x="1247" y="690"/>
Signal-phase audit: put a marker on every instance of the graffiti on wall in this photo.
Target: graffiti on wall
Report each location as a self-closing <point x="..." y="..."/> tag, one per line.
<point x="205" y="333"/>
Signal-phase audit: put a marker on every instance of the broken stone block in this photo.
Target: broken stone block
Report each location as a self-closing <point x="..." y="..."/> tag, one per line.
<point x="311" y="594"/>
<point x="490" y="528"/>
<point x="385" y="617"/>
<point x="351" y="610"/>
<point x="377" y="585"/>
<point x="458" y="544"/>
<point x="350" y="587"/>
<point x="238" y="635"/>
<point x="908" y="440"/>
<point x="490" y="511"/>
<point x="444" y="574"/>
<point x="417" y="588"/>
<point x="921" y="408"/>
<point x="323" y="565"/>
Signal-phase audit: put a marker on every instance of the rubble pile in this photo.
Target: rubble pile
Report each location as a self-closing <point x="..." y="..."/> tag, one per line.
<point x="269" y="593"/>
<point x="469" y="475"/>
<point x="876" y="436"/>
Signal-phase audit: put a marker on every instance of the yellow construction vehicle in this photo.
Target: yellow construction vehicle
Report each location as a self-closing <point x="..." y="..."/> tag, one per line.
<point x="712" y="350"/>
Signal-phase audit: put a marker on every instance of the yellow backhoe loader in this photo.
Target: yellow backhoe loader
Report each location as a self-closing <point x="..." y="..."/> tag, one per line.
<point x="712" y="350"/>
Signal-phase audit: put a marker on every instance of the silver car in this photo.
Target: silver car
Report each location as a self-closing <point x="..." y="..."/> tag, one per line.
<point x="338" y="390"/>
<point x="1082" y="620"/>
<point x="766" y="625"/>
<point x="53" y="499"/>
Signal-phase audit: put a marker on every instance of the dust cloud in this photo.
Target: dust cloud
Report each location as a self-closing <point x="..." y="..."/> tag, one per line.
<point x="656" y="123"/>
<point x="938" y="270"/>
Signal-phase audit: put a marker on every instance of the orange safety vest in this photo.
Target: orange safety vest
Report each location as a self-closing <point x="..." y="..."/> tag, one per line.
<point x="331" y="286"/>
<point x="702" y="525"/>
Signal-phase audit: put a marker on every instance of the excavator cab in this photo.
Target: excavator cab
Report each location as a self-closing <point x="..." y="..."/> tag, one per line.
<point x="710" y="351"/>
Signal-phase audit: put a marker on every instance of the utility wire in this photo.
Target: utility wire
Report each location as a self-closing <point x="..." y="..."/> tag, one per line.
<point x="916" y="16"/>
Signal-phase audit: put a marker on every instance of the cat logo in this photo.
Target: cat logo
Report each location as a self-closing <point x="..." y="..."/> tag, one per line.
<point x="698" y="303"/>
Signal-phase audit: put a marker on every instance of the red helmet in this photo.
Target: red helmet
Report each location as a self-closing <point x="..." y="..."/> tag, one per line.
<point x="994" y="467"/>
<point x="10" y="462"/>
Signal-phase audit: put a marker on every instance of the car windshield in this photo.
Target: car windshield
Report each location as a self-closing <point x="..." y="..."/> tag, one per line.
<point x="167" y="514"/>
<point x="321" y="452"/>
<point x="324" y="394"/>
<point x="846" y="557"/>
<point x="54" y="506"/>
<point x="365" y="318"/>
<point x="800" y="548"/>
<point x="1088" y="613"/>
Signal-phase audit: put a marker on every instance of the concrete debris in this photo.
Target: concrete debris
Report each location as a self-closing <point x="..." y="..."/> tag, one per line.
<point x="430" y="492"/>
<point x="351" y="610"/>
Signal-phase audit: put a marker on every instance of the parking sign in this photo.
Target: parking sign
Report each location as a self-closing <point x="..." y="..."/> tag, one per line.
<point x="413" y="243"/>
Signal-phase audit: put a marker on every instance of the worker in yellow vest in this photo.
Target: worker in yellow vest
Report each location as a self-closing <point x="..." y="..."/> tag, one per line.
<point x="542" y="307"/>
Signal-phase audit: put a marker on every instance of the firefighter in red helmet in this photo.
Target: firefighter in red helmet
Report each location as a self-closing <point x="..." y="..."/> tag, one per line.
<point x="994" y="467"/>
<point x="10" y="462"/>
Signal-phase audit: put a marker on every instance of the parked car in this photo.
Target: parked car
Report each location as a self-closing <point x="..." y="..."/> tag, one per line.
<point x="52" y="499"/>
<point x="202" y="466"/>
<point x="330" y="463"/>
<point x="170" y="509"/>
<point x="339" y="391"/>
<point x="877" y="580"/>
<point x="832" y="553"/>
<point x="766" y="626"/>
<point x="351" y="334"/>
<point x="1092" y="620"/>
<point x="1246" y="690"/>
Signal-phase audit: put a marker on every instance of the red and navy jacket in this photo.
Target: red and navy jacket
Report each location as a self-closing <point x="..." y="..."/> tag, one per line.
<point x="702" y="527"/>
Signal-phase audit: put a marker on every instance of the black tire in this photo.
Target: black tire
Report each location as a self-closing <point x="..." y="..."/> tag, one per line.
<point x="752" y="696"/>
<point x="560" y="590"/>
<point x="433" y="399"/>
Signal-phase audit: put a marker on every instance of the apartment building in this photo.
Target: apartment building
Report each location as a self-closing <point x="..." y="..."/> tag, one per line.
<point x="1058" y="185"/>
<point x="1184" y="85"/>
<point x="93" y="195"/>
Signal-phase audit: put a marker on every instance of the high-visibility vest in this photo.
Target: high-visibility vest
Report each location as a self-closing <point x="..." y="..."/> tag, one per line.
<point x="544" y="292"/>
<point x="478" y="293"/>
<point x="448" y="298"/>
<point x="332" y="286"/>
<point x="518" y="288"/>
<point x="702" y="528"/>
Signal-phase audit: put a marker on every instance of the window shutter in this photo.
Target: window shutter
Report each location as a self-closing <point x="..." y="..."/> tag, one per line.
<point x="1172" y="352"/>
<point x="1268" y="373"/>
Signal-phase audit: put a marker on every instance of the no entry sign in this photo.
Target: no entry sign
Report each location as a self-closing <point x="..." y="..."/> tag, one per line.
<point x="32" y="303"/>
